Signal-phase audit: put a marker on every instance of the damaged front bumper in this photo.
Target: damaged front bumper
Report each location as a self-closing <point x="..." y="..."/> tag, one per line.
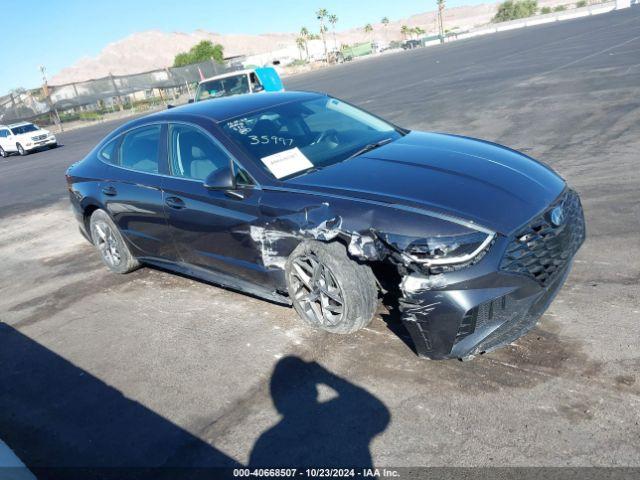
<point x="464" y="319"/>
<point x="490" y="304"/>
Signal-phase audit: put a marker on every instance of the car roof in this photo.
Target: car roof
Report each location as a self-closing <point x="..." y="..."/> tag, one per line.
<point x="221" y="109"/>
<point x="19" y="124"/>
<point x="228" y="74"/>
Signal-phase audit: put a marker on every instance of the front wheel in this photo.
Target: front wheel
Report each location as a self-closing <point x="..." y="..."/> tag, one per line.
<point x="21" y="150"/>
<point x="328" y="289"/>
<point x="109" y="242"/>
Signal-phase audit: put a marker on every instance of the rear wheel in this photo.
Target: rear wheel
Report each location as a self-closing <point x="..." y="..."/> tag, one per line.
<point x="328" y="289"/>
<point x="21" y="150"/>
<point x="3" y="153"/>
<point x="109" y="242"/>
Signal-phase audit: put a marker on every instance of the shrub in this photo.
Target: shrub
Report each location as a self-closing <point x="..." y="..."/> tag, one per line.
<point x="545" y="10"/>
<point x="515" y="9"/>
<point x="90" y="116"/>
<point x="581" y="3"/>
<point x="560" y="8"/>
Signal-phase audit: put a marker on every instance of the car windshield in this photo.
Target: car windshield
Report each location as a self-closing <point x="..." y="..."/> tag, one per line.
<point x="223" y="87"/>
<point x="293" y="138"/>
<point x="24" y="129"/>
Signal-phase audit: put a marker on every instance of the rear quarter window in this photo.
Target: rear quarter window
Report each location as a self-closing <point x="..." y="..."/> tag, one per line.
<point x="108" y="152"/>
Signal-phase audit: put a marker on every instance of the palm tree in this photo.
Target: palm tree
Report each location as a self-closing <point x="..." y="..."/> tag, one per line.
<point x="405" y="31"/>
<point x="304" y="34"/>
<point x="301" y="44"/>
<point x="385" y="23"/>
<point x="321" y="14"/>
<point x="333" y="19"/>
<point x="368" y="29"/>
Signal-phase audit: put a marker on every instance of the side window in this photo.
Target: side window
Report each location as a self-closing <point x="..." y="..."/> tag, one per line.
<point x="108" y="152"/>
<point x="4" y="133"/>
<point x="193" y="154"/>
<point x="139" y="149"/>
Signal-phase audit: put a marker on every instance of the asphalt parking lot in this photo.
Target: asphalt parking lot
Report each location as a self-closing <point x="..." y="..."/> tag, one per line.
<point x="153" y="369"/>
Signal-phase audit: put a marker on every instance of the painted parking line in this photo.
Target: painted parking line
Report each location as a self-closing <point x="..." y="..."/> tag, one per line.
<point x="11" y="467"/>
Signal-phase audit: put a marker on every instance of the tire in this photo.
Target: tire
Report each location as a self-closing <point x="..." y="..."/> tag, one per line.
<point x="109" y="242"/>
<point x="21" y="151"/>
<point x="328" y="289"/>
<point x="3" y="153"/>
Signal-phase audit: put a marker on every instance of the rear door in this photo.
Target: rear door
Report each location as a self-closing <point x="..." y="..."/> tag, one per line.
<point x="132" y="192"/>
<point x="212" y="229"/>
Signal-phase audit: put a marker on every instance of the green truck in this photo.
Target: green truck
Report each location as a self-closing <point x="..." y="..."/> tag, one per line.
<point x="357" y="50"/>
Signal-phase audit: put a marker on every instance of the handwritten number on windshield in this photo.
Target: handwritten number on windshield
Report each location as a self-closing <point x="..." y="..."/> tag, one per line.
<point x="265" y="139"/>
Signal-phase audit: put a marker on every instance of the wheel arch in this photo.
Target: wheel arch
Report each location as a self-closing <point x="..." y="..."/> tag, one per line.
<point x="87" y="211"/>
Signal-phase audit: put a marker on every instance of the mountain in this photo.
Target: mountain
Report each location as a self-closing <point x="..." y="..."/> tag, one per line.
<point x="155" y="49"/>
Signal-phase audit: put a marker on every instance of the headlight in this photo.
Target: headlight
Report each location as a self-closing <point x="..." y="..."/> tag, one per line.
<point x="446" y="250"/>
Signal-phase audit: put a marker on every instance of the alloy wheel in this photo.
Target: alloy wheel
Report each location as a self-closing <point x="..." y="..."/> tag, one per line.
<point x="3" y="154"/>
<point x="107" y="243"/>
<point x="20" y="149"/>
<point x="316" y="290"/>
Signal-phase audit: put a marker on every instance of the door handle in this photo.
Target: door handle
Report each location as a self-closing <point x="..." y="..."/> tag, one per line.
<point x="174" y="202"/>
<point x="234" y="194"/>
<point x="110" y="191"/>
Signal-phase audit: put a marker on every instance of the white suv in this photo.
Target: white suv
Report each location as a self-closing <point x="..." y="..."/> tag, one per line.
<point x="24" y="137"/>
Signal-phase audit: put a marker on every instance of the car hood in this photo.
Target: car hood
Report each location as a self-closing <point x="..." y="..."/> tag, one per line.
<point x="488" y="184"/>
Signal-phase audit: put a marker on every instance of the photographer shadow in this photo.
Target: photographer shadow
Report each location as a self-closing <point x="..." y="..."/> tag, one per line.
<point x="65" y="423"/>
<point x="335" y="432"/>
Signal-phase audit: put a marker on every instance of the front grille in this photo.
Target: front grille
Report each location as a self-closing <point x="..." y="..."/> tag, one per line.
<point x="39" y="137"/>
<point x="500" y="310"/>
<point x="541" y="249"/>
<point x="517" y="316"/>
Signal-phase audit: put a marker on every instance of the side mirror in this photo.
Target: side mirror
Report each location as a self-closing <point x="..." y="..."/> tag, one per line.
<point x="191" y="100"/>
<point x="221" y="179"/>
<point x="258" y="88"/>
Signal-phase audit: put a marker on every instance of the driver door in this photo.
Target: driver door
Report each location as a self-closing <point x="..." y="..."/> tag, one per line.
<point x="210" y="228"/>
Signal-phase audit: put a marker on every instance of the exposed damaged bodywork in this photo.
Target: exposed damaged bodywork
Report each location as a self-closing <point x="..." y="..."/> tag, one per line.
<point x="450" y="310"/>
<point x="472" y="239"/>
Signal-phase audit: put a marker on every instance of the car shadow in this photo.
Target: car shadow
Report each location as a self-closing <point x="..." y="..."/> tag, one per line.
<point x="65" y="423"/>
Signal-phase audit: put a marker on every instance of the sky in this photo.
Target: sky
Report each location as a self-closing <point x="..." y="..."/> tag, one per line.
<point x="60" y="32"/>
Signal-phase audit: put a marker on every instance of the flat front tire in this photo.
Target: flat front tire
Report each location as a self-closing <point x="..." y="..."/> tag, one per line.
<point x="329" y="290"/>
<point x="109" y="242"/>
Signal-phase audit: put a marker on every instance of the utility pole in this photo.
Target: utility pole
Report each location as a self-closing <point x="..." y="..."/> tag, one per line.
<point x="440" y="21"/>
<point x="47" y="96"/>
<point x="117" y="92"/>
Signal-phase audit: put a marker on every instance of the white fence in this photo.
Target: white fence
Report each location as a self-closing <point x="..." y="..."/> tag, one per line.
<point x="537" y="20"/>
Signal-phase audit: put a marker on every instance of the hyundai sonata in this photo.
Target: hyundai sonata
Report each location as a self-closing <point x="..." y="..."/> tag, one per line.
<point x="303" y="199"/>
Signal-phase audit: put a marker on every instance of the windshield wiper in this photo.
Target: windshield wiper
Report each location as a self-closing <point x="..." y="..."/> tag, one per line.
<point x="370" y="146"/>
